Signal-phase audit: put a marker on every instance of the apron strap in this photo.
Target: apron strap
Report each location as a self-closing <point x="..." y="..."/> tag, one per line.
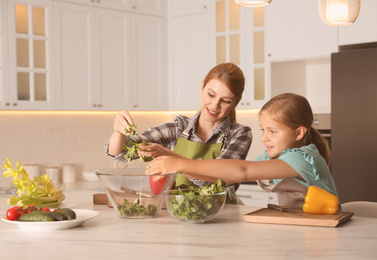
<point x="185" y="134"/>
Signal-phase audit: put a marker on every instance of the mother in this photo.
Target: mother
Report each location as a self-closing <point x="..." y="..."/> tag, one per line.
<point x="211" y="133"/>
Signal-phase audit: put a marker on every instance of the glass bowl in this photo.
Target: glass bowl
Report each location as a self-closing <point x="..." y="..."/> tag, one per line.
<point x="194" y="208"/>
<point x="132" y="193"/>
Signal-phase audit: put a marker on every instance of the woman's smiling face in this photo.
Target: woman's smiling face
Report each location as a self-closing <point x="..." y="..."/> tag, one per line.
<point x="276" y="136"/>
<point x="217" y="101"/>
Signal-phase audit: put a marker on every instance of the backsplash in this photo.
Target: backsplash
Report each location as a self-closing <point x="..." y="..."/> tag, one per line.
<point x="51" y="139"/>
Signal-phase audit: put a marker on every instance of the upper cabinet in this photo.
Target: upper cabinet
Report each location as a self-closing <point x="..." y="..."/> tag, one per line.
<point x="124" y="5"/>
<point x="92" y="70"/>
<point x="185" y="7"/>
<point x="240" y="39"/>
<point x="101" y="66"/>
<point x="149" y="7"/>
<point x="365" y="27"/>
<point x="148" y="63"/>
<point x="192" y="55"/>
<point x="4" y="86"/>
<point x="295" y="31"/>
<point x="82" y="55"/>
<point x="30" y="43"/>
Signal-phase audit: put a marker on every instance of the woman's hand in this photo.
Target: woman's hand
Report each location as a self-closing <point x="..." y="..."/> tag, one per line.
<point x="121" y="123"/>
<point x="121" y="129"/>
<point x="153" y="150"/>
<point x="164" y="165"/>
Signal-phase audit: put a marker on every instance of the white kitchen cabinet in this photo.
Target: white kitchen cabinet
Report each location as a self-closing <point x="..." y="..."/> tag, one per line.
<point x="30" y="46"/>
<point x="254" y="60"/>
<point x="147" y="70"/>
<point x="185" y="7"/>
<point x="364" y="29"/>
<point x="92" y="51"/>
<point x="124" y="5"/>
<point x="148" y="7"/>
<point x="295" y="31"/>
<point x="191" y="56"/>
<point x="253" y="195"/>
<point x="240" y="39"/>
<point x="4" y="86"/>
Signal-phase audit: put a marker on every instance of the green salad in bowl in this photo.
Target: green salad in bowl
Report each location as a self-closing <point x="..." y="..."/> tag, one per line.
<point x="195" y="204"/>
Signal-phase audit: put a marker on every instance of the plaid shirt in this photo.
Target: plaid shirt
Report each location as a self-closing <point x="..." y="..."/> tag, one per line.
<point x="237" y="144"/>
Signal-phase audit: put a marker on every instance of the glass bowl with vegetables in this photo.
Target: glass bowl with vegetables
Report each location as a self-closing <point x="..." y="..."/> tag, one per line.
<point x="132" y="193"/>
<point x="196" y="205"/>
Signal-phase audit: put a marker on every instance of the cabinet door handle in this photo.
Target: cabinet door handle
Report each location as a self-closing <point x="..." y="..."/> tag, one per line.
<point x="7" y="104"/>
<point x="99" y="105"/>
<point x="14" y="104"/>
<point x="135" y="105"/>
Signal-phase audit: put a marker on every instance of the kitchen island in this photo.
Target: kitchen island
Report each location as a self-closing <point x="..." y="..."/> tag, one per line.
<point x="226" y="237"/>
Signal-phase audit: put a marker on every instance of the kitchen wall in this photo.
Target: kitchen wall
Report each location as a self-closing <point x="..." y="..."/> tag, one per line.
<point x="52" y="139"/>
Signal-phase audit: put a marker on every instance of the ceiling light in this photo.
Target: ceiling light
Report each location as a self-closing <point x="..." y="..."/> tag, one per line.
<point x="338" y="12"/>
<point x="252" y="3"/>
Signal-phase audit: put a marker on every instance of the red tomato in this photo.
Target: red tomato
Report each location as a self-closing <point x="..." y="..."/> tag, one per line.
<point x="20" y="212"/>
<point x="31" y="208"/>
<point x="158" y="184"/>
<point x="12" y="214"/>
<point x="45" y="209"/>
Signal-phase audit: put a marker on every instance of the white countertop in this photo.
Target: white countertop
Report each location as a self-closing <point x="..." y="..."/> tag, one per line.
<point x="225" y="237"/>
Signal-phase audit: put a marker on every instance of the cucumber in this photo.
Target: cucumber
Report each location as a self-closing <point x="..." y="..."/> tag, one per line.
<point x="56" y="215"/>
<point x="36" y="216"/>
<point x="68" y="213"/>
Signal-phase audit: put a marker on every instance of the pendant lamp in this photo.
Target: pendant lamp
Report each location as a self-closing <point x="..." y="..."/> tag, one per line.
<point x="338" y="12"/>
<point x="252" y="3"/>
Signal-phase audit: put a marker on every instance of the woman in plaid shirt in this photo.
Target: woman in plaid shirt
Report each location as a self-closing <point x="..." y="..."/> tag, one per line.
<point x="211" y="133"/>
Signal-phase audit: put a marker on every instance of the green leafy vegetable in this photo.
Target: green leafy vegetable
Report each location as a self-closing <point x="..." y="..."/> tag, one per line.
<point x="198" y="203"/>
<point x="40" y="192"/>
<point x="134" y="147"/>
<point x="132" y="129"/>
<point x="135" y="209"/>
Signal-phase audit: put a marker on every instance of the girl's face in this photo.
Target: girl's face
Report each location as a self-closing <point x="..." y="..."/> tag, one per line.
<point x="276" y="136"/>
<point x="217" y="101"/>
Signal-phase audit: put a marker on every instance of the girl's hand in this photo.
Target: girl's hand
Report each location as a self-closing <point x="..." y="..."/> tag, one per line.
<point x="153" y="150"/>
<point x="121" y="121"/>
<point x="163" y="165"/>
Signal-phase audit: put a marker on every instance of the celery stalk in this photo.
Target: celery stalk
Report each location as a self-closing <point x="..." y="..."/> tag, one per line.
<point x="40" y="192"/>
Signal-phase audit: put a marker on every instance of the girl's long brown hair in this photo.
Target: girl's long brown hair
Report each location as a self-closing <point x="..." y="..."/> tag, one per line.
<point x="232" y="76"/>
<point x="294" y="111"/>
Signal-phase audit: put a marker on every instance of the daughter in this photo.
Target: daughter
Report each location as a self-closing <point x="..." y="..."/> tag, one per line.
<point x="296" y="155"/>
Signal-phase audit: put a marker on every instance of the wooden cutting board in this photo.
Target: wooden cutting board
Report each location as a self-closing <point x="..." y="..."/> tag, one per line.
<point x="296" y="217"/>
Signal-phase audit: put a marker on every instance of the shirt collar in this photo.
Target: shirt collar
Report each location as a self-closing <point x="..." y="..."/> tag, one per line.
<point x="223" y="127"/>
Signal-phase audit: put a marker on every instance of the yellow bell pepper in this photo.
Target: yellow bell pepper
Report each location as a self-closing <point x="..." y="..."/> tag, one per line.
<point x="319" y="201"/>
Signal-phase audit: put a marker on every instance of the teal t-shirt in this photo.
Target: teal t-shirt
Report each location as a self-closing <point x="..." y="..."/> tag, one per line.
<point x="309" y="163"/>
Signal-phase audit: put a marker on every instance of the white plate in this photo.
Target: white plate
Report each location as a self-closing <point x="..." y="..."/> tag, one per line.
<point x="82" y="215"/>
